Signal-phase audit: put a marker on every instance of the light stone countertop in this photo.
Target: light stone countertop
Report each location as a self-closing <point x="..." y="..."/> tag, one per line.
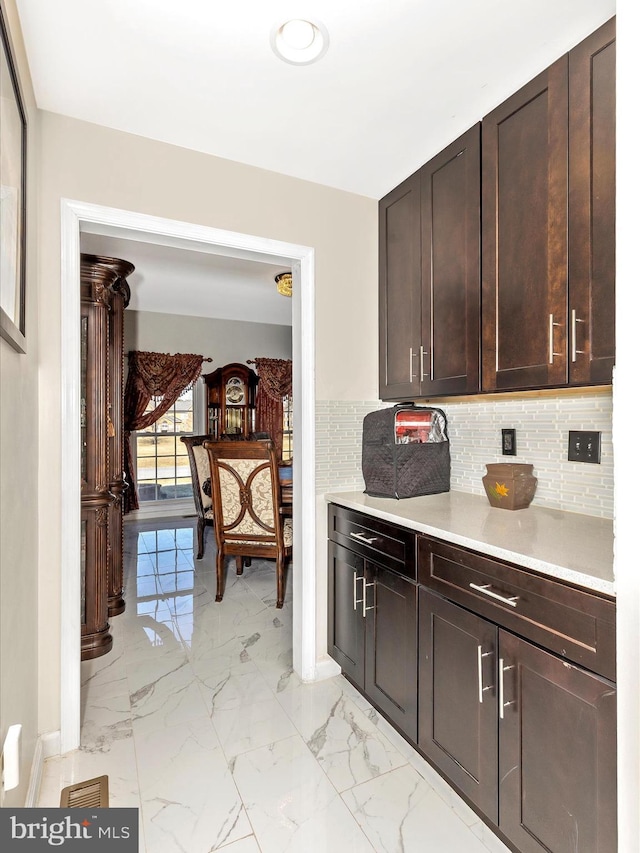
<point x="565" y="545"/>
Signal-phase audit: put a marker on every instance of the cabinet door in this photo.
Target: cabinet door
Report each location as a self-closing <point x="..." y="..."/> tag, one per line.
<point x="346" y="622"/>
<point x="457" y="700"/>
<point x="450" y="354"/>
<point x="400" y="291"/>
<point x="391" y="645"/>
<point x="557" y="753"/>
<point x="524" y="242"/>
<point x="592" y="116"/>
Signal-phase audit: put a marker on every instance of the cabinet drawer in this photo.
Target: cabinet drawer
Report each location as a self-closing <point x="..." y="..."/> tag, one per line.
<point x="376" y="540"/>
<point x="577" y="624"/>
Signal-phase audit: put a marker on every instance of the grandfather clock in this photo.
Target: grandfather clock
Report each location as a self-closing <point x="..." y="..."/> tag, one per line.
<point x="231" y="401"/>
<point x="104" y="294"/>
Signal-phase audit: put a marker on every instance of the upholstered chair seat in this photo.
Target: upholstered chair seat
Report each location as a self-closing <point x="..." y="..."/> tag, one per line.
<point x="248" y="521"/>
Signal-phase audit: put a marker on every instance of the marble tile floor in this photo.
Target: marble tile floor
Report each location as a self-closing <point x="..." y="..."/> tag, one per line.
<point x="200" y="722"/>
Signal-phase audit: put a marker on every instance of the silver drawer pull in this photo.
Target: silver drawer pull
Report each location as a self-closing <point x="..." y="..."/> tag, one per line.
<point x="362" y="538"/>
<point x="485" y="589"/>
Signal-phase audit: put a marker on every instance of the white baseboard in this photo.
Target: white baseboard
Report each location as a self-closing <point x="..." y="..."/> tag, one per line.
<point x="326" y="667"/>
<point x="47" y="746"/>
<point x="37" y="766"/>
<point x="51" y="743"/>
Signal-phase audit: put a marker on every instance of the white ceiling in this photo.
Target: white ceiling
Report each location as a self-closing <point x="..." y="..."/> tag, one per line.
<point x="401" y="78"/>
<point x="194" y="280"/>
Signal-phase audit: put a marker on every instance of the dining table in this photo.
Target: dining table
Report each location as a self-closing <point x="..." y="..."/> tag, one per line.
<point x="285" y="472"/>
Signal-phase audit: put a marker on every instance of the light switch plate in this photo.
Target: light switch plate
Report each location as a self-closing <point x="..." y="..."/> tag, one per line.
<point x="584" y="446"/>
<point x="509" y="442"/>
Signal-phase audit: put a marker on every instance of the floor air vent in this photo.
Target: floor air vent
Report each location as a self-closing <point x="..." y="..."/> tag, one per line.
<point x="92" y="794"/>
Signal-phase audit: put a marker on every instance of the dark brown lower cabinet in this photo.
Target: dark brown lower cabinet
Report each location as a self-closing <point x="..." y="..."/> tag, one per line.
<point x="346" y="623"/>
<point x="372" y="633"/>
<point x="526" y="736"/>
<point x="502" y="678"/>
<point x="390" y="603"/>
<point x="557" y="753"/>
<point x="457" y="728"/>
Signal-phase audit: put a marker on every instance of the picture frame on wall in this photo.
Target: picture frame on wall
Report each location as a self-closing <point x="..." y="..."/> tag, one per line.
<point x="13" y="159"/>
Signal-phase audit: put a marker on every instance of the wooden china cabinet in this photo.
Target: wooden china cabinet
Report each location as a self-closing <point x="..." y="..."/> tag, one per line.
<point x="104" y="294"/>
<point x="231" y="400"/>
<point x="120" y="295"/>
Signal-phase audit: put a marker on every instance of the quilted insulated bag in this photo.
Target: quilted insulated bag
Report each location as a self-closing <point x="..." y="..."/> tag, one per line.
<point x="405" y="452"/>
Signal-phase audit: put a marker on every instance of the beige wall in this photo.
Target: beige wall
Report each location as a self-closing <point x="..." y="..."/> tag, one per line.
<point x="93" y="164"/>
<point x="19" y="483"/>
<point x="224" y="341"/>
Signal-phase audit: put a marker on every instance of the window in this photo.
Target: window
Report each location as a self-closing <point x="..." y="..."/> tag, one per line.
<point x="162" y="463"/>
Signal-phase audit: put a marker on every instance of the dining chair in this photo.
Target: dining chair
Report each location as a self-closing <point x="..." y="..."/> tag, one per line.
<point x="200" y="473"/>
<point x="247" y="508"/>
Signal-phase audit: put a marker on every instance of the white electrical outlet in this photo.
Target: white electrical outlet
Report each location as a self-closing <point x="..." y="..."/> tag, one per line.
<point x="11" y="758"/>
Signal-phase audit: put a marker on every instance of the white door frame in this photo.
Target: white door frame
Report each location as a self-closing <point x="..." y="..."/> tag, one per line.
<point x="301" y="260"/>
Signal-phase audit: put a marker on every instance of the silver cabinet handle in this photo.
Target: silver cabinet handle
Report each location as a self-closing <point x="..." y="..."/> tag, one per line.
<point x="501" y="671"/>
<point x="412" y="355"/>
<point x="365" y="587"/>
<point x="482" y="689"/>
<point x="355" y="590"/>
<point x="485" y="589"/>
<point x="574" y="342"/>
<point x="423" y="352"/>
<point x="362" y="538"/>
<point x="551" y="352"/>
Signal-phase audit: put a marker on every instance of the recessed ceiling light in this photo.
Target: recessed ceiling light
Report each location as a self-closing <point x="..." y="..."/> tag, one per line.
<point x="299" y="41"/>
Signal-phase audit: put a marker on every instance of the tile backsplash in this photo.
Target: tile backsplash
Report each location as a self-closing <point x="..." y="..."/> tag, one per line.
<point x="542" y="425"/>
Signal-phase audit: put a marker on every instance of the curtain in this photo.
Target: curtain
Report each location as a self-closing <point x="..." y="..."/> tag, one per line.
<point x="152" y="375"/>
<point x="275" y="383"/>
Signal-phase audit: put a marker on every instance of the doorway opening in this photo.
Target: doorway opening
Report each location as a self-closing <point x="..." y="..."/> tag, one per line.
<point x="300" y="259"/>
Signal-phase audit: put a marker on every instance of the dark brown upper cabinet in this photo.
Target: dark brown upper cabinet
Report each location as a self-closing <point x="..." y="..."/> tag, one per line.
<point x="400" y="291"/>
<point x="548" y="188"/>
<point x="592" y="188"/>
<point x="430" y="277"/>
<point x="450" y="362"/>
<point x="524" y="236"/>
